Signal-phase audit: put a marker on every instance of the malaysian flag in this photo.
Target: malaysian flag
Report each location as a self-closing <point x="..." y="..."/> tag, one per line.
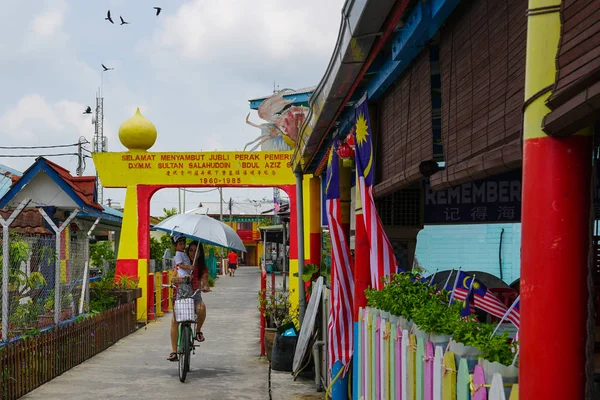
<point x="513" y="314"/>
<point x="276" y="204"/>
<point x="383" y="262"/>
<point x="483" y="297"/>
<point x="340" y="327"/>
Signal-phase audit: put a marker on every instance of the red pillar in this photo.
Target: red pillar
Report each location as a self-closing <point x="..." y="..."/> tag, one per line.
<point x="362" y="275"/>
<point x="554" y="264"/>
<point x="151" y="312"/>
<point x="263" y="322"/>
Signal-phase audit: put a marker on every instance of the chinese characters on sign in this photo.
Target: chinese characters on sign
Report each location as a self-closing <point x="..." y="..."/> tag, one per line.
<point x="497" y="199"/>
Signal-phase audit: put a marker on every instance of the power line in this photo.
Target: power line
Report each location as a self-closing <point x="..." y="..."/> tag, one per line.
<point x="41" y="147"/>
<point x="41" y="155"/>
<point x="199" y="191"/>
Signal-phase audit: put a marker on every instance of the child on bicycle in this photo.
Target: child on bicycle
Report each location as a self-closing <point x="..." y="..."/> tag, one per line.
<point x="184" y="267"/>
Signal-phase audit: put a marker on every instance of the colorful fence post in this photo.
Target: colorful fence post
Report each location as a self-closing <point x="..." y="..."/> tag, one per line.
<point x="165" y="292"/>
<point x="158" y="286"/>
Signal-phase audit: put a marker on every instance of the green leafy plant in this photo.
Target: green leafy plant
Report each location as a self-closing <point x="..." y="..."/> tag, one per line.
<point x="26" y="315"/>
<point x="277" y="307"/>
<point x="211" y="281"/>
<point x="158" y="246"/>
<point x="100" y="252"/>
<point x="126" y="282"/>
<point x="406" y="296"/>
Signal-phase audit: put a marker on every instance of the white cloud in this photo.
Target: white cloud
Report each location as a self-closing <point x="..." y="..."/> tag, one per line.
<point x="33" y="121"/>
<point x="48" y="23"/>
<point x="242" y="29"/>
<point x="46" y="29"/>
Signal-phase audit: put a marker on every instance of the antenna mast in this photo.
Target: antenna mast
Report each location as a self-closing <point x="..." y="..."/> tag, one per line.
<point x="99" y="140"/>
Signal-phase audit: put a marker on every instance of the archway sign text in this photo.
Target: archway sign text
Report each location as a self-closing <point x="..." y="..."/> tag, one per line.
<point x="262" y="168"/>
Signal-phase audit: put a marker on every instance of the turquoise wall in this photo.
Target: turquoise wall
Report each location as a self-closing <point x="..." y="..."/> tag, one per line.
<point x="474" y="247"/>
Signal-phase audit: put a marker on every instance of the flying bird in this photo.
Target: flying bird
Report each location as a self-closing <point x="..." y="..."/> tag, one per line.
<point x="123" y="22"/>
<point x="88" y="110"/>
<point x="158" y="10"/>
<point x="108" y="18"/>
<point x="106" y="68"/>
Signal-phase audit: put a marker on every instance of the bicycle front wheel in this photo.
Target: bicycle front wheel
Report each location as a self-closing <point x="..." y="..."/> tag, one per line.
<point x="184" y="351"/>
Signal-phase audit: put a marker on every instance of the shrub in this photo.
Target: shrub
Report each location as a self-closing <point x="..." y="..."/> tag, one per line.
<point x="406" y="296"/>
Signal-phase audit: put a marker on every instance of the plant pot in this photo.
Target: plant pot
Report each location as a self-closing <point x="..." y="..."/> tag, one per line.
<point x="420" y="334"/>
<point x="510" y="373"/>
<point x="45" y="320"/>
<point x="269" y="340"/>
<point x="469" y="353"/>
<point x="137" y="293"/>
<point x="439" y="339"/>
<point x="282" y="354"/>
<point x="404" y="323"/>
<point x="66" y="313"/>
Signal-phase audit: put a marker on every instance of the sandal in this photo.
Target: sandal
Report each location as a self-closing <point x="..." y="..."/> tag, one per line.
<point x="200" y="337"/>
<point x="173" y="357"/>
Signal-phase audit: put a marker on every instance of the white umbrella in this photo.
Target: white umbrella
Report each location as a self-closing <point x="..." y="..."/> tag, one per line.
<point x="204" y="229"/>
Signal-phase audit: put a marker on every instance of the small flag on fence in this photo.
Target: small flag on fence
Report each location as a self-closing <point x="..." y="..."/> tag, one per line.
<point x="483" y="297"/>
<point x="340" y="327"/>
<point x="469" y="302"/>
<point x="383" y="261"/>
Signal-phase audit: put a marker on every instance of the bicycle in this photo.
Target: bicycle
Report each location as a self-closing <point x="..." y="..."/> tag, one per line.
<point x="185" y="316"/>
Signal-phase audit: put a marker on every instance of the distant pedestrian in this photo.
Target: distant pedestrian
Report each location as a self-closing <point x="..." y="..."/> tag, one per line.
<point x="232" y="258"/>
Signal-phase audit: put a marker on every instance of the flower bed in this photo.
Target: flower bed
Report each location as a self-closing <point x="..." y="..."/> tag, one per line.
<point x="411" y="339"/>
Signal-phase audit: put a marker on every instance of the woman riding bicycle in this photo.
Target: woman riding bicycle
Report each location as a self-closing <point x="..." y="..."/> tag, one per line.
<point x="185" y="268"/>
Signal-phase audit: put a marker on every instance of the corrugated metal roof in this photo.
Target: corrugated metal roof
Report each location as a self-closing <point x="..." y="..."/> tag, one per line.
<point x="6" y="174"/>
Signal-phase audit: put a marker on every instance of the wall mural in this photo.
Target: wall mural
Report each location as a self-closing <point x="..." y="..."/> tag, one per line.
<point x="281" y="121"/>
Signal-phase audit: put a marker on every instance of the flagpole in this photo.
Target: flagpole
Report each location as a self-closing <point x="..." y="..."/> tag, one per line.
<point x="433" y="277"/>
<point x="454" y="287"/>
<point x="448" y="280"/>
<point x="513" y="305"/>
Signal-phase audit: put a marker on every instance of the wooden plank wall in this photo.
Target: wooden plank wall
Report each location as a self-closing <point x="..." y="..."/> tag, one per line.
<point x="405" y="127"/>
<point x="579" y="50"/>
<point x="482" y="64"/>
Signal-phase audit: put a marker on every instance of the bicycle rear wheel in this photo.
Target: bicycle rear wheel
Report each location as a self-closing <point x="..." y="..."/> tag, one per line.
<point x="184" y="351"/>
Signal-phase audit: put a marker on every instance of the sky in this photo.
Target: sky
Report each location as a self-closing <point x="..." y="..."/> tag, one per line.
<point x="190" y="70"/>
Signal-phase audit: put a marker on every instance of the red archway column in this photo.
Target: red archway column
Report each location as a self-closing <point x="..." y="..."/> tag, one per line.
<point x="145" y="193"/>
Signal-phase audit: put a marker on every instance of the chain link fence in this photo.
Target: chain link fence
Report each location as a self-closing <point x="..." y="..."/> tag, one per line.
<point x="34" y="276"/>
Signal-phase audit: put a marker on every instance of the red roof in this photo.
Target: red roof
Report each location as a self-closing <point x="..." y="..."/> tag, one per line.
<point x="83" y="186"/>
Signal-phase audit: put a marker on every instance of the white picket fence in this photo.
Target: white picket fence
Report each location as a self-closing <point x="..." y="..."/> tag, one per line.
<point x="398" y="362"/>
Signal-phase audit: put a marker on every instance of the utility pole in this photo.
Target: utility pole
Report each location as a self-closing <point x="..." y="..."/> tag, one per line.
<point x="230" y="209"/>
<point x="221" y="204"/>
<point x="179" y="198"/>
<point x="80" y="161"/>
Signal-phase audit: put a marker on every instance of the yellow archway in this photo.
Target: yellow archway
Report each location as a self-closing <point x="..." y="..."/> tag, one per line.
<point x="143" y="173"/>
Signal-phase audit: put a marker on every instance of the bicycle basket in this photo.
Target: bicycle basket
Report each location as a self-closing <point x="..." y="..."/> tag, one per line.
<point x="185" y="310"/>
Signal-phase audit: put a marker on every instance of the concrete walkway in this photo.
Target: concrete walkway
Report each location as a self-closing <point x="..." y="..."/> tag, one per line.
<point x="227" y="365"/>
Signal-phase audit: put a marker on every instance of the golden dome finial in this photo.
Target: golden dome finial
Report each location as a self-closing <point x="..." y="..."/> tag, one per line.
<point x="137" y="133"/>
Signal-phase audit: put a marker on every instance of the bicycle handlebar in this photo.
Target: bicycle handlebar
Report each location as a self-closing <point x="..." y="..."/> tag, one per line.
<point x="171" y="286"/>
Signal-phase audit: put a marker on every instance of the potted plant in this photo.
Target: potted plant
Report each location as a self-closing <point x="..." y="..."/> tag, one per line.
<point x="127" y="288"/>
<point x="278" y="312"/>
